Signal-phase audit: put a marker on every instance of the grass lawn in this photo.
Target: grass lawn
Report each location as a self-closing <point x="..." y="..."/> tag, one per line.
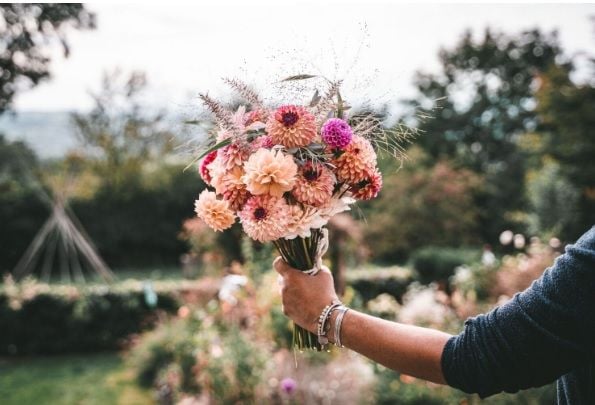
<point x="65" y="380"/>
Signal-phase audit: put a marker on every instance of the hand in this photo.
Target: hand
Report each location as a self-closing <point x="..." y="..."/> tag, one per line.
<point x="304" y="296"/>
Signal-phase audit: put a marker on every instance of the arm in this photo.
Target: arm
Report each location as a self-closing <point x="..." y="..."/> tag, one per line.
<point x="410" y="349"/>
<point x="541" y="334"/>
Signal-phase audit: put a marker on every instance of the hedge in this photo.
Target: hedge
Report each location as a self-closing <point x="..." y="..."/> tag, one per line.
<point x="42" y="319"/>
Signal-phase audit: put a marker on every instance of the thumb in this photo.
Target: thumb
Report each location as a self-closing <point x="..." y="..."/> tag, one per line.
<point x="280" y="266"/>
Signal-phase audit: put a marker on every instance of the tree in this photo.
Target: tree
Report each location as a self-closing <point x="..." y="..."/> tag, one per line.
<point x="121" y="133"/>
<point x="567" y="121"/>
<point x="27" y="31"/>
<point x="422" y="205"/>
<point x="486" y="98"/>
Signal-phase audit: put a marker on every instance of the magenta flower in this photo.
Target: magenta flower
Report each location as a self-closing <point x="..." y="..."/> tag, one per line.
<point x="336" y="133"/>
<point x="288" y="385"/>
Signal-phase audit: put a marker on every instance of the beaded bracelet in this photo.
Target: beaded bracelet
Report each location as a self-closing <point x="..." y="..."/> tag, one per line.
<point x="322" y="322"/>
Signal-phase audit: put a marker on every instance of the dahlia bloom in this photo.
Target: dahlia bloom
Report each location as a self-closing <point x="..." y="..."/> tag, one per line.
<point x="291" y="126"/>
<point x="314" y="184"/>
<point x="229" y="184"/>
<point x="336" y="133"/>
<point x="357" y="160"/>
<point x="263" y="141"/>
<point x="369" y="187"/>
<point x="302" y="222"/>
<point x="265" y="217"/>
<point x="204" y="167"/>
<point x="234" y="154"/>
<point x="269" y="172"/>
<point x="215" y="213"/>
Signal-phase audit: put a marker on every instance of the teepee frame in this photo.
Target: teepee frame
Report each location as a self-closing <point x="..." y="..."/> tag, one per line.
<point x="62" y="235"/>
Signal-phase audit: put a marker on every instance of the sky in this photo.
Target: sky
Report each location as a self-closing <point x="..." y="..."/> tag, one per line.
<point x="376" y="48"/>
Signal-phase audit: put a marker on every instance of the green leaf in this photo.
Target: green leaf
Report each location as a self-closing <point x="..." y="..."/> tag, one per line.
<point x="298" y="77"/>
<point x="219" y="145"/>
<point x="193" y="122"/>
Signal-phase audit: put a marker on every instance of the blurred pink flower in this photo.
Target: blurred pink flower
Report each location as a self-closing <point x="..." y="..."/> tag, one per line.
<point x="288" y="385"/>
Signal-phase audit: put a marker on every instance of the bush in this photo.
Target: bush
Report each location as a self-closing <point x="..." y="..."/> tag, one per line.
<point x="439" y="263"/>
<point x="371" y="283"/>
<point x="40" y="319"/>
<point x="189" y="356"/>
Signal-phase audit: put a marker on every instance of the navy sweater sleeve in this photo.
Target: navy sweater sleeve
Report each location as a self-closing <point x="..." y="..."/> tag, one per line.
<point x="536" y="337"/>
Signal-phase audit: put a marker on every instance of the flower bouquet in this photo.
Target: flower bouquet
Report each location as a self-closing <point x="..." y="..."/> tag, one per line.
<point x="286" y="171"/>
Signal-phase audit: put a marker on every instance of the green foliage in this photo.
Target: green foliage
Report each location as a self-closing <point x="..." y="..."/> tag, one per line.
<point x="438" y="263"/>
<point x="224" y="363"/>
<point x="139" y="225"/>
<point x="69" y="380"/>
<point x="371" y="283"/>
<point x="48" y="320"/>
<point x="566" y="110"/>
<point x="554" y="200"/>
<point x="420" y="206"/>
<point x="121" y="132"/>
<point x="485" y="96"/>
<point x="27" y="33"/>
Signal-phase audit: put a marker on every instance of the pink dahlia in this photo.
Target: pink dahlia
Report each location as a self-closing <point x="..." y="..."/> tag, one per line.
<point x="233" y="154"/>
<point x="291" y="126"/>
<point x="204" y="167"/>
<point x="314" y="185"/>
<point x="215" y="213"/>
<point x="336" y="133"/>
<point x="265" y="218"/>
<point x="254" y="116"/>
<point x="263" y="141"/>
<point x="356" y="161"/>
<point x="369" y="187"/>
<point x="269" y="172"/>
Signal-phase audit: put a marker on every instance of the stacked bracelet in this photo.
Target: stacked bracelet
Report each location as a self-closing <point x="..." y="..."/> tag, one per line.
<point x="322" y="322"/>
<point x="338" y="322"/>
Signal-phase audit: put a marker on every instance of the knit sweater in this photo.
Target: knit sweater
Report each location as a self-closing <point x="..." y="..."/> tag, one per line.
<point x="544" y="333"/>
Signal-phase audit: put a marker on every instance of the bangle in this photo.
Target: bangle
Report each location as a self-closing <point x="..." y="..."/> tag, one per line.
<point x="322" y="322"/>
<point x="338" y="322"/>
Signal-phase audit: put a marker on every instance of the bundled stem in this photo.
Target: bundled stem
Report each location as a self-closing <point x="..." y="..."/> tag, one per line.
<point x="300" y="253"/>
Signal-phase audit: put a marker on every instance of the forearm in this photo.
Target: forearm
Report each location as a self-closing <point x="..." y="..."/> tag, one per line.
<point x="408" y="349"/>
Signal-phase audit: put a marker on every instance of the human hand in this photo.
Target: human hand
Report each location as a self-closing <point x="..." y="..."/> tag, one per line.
<point x="305" y="296"/>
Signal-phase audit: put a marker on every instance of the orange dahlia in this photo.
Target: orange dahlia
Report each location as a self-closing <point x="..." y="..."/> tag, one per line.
<point x="229" y="184"/>
<point x="356" y="161"/>
<point x="291" y="126"/>
<point x="314" y="184"/>
<point x="369" y="187"/>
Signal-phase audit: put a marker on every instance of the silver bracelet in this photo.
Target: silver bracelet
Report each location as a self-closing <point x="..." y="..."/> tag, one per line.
<point x="338" y="322"/>
<point x="322" y="322"/>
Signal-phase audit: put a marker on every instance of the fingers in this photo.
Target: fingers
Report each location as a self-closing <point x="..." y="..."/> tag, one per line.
<point x="280" y="266"/>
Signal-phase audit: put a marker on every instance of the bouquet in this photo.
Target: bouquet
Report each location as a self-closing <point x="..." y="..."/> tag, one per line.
<point x="285" y="171"/>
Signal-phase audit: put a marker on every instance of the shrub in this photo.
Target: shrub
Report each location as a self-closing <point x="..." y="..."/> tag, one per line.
<point x="43" y="319"/>
<point x="438" y="263"/>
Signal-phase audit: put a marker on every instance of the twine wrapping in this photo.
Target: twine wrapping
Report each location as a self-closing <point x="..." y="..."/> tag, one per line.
<point x="320" y="251"/>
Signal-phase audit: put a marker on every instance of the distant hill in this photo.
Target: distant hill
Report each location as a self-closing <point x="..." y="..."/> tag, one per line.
<point x="49" y="134"/>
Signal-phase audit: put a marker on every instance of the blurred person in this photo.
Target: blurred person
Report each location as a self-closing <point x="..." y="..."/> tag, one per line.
<point x="542" y="334"/>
